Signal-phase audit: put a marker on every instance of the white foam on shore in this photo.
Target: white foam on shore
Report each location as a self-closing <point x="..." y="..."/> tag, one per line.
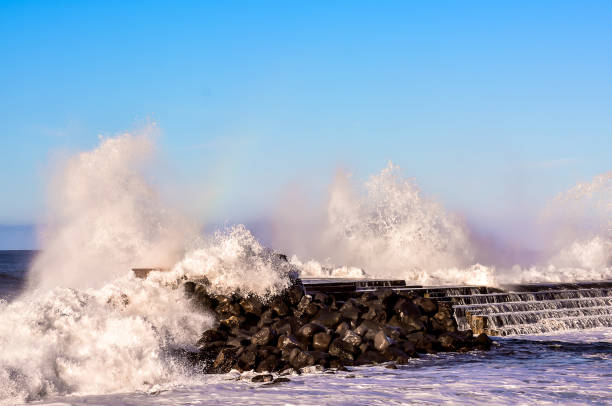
<point x="87" y="326"/>
<point x="102" y="340"/>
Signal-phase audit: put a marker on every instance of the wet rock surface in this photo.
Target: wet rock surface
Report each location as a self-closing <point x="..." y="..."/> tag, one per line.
<point x="294" y="331"/>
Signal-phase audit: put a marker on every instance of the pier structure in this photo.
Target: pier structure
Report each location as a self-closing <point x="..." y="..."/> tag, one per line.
<point x="498" y="311"/>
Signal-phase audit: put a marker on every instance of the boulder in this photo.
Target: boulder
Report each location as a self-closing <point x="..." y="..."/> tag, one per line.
<point x="342" y="327"/>
<point x="426" y="305"/>
<point x="268" y="364"/>
<point x="310" y="329"/>
<point x="320" y="341"/>
<point x="262" y="378"/>
<point x="264" y="336"/>
<point x="252" y="305"/>
<point x="352" y="338"/>
<point x="381" y="341"/>
<point x="279" y="307"/>
<point x="288" y="342"/>
<point x="212" y="335"/>
<point x="329" y="319"/>
<point x="225" y="360"/>
<point x="342" y="349"/>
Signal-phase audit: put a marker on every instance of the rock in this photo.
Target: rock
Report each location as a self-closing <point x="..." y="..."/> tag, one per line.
<point x="246" y="360"/>
<point x="211" y="345"/>
<point x="212" y="335"/>
<point x="294" y="294"/>
<point x="310" y="329"/>
<point x="341" y="329"/>
<point x="408" y="322"/>
<point x="282" y="327"/>
<point x="322" y="298"/>
<point x="371" y="357"/>
<point x="202" y="298"/>
<point x="288" y="342"/>
<point x="352" y="338"/>
<point x="251" y="305"/>
<point x="376" y="312"/>
<point x="396" y="354"/>
<point x="388" y="298"/>
<point x="328" y="319"/>
<point x="366" y="297"/>
<point x="337" y="364"/>
<point x="381" y="341"/>
<point x="306" y="307"/>
<point x="279" y="380"/>
<point x="266" y="318"/>
<point x="264" y="336"/>
<point x="364" y="346"/>
<point x="442" y="325"/>
<point x="262" y="378"/>
<point x="279" y="307"/>
<point x="320" y="341"/>
<point x="350" y="311"/>
<point x="231" y="322"/>
<point x="391" y="366"/>
<point x="342" y="350"/>
<point x="227" y="308"/>
<point x="189" y="288"/>
<point x="302" y="359"/>
<point x="483" y="342"/>
<point x="313" y="369"/>
<point x="264" y="351"/>
<point x="268" y="364"/>
<point x="426" y="305"/>
<point x="409" y="348"/>
<point x="424" y="343"/>
<point x="405" y="308"/>
<point x="225" y="360"/>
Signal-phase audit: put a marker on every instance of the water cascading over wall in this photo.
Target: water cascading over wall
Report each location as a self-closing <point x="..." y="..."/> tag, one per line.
<point x="509" y="310"/>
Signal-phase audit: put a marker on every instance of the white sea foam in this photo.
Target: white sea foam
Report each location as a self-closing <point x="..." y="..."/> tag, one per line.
<point x="235" y="261"/>
<point x="95" y="341"/>
<point x="387" y="228"/>
<point x="103" y="217"/>
<point x="86" y="325"/>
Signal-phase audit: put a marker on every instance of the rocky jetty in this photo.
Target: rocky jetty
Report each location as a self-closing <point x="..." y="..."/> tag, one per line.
<point x="293" y="330"/>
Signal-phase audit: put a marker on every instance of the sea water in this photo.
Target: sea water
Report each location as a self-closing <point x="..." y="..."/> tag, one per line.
<point x="567" y="367"/>
<point x="570" y="368"/>
<point x="81" y="329"/>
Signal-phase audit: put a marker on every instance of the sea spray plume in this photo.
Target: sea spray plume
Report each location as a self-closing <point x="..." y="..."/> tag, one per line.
<point x="393" y="230"/>
<point x="104" y="218"/>
<point x="583" y="225"/>
<point x="579" y="227"/>
<point x="386" y="228"/>
<point x="115" y="338"/>
<point x="234" y="261"/>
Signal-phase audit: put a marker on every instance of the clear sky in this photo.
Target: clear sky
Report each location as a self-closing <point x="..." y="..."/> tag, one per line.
<point x="493" y="107"/>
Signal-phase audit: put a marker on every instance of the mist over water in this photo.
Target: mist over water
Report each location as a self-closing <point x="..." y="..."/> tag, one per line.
<point x="87" y="325"/>
<point x="104" y="217"/>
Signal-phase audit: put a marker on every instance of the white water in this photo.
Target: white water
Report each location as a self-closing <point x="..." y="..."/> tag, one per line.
<point x="86" y="326"/>
<point x="569" y="368"/>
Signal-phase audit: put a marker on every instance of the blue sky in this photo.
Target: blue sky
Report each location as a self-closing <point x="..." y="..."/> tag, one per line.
<point x="493" y="107"/>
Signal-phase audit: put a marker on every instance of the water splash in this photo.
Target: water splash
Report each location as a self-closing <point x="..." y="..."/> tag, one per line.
<point x="235" y="261"/>
<point x="104" y="217"/>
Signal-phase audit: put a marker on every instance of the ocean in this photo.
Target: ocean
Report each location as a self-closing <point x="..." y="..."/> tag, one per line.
<point x="64" y="348"/>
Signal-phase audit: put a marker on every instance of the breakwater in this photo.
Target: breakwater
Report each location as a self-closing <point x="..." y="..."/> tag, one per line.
<point x="506" y="310"/>
<point x="307" y="327"/>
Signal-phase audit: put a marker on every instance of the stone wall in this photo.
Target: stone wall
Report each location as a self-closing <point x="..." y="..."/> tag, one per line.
<point x="294" y="330"/>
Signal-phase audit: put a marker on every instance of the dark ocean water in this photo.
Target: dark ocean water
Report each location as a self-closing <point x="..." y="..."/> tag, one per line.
<point x="13" y="269"/>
